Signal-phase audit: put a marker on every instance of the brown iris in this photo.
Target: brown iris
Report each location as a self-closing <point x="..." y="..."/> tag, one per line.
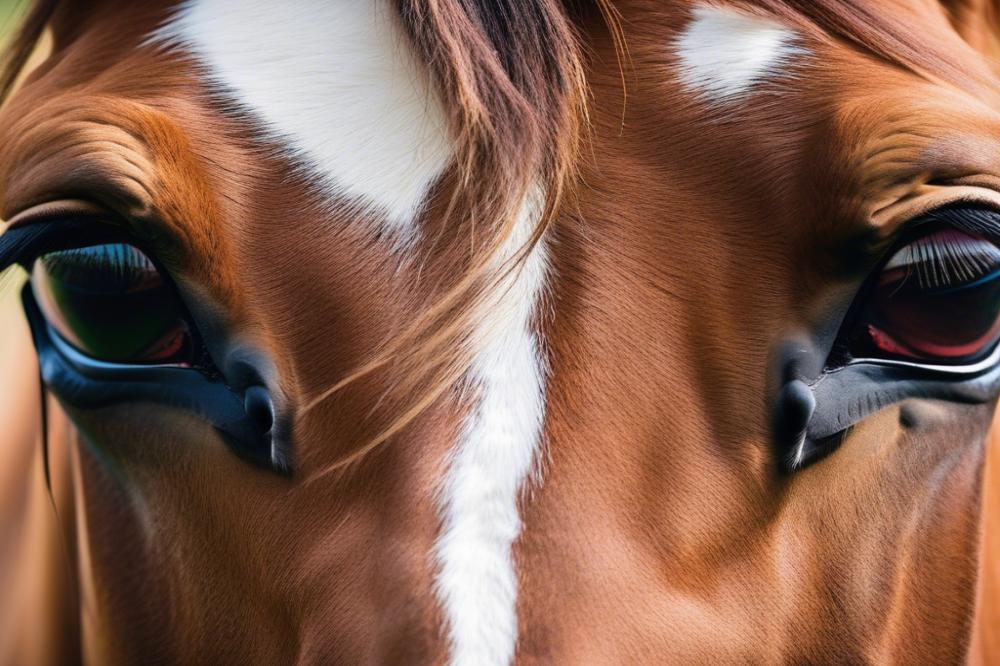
<point x="113" y="304"/>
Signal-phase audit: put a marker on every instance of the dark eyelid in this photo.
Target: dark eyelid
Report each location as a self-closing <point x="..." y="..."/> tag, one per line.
<point x="859" y="256"/>
<point x="147" y="232"/>
<point x="24" y="243"/>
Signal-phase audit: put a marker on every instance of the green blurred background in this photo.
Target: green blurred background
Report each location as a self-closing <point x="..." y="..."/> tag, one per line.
<point x="8" y="9"/>
<point x="10" y="12"/>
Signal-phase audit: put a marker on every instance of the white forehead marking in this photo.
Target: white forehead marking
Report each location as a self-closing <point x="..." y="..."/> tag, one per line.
<point x="499" y="444"/>
<point x="337" y="82"/>
<point x="723" y="52"/>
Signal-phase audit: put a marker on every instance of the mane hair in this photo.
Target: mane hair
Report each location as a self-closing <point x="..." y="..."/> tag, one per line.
<point x="512" y="79"/>
<point x="892" y="37"/>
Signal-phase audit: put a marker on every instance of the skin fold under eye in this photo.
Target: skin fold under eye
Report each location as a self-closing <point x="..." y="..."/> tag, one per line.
<point x="113" y="304"/>
<point x="937" y="300"/>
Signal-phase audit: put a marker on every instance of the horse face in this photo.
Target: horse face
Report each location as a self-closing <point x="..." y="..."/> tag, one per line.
<point x="731" y="469"/>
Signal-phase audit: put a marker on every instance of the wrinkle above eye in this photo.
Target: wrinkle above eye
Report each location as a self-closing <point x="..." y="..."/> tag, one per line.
<point x="89" y="149"/>
<point x="95" y="170"/>
<point x="132" y="157"/>
<point x="892" y="216"/>
<point x="55" y="209"/>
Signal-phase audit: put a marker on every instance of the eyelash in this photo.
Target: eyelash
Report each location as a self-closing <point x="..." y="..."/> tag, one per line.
<point x="128" y="265"/>
<point x="939" y="262"/>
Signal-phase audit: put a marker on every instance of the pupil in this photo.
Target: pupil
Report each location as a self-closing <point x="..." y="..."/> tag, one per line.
<point x="112" y="304"/>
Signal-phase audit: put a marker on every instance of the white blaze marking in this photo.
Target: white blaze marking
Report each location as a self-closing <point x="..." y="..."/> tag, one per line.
<point x="337" y="82"/>
<point x="477" y="583"/>
<point x="723" y="52"/>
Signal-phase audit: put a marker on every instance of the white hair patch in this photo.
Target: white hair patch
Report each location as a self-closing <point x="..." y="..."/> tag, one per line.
<point x="724" y="52"/>
<point x="498" y="448"/>
<point x="337" y="82"/>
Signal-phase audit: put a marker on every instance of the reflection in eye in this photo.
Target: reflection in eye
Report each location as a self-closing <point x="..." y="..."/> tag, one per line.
<point x="113" y="304"/>
<point x="937" y="300"/>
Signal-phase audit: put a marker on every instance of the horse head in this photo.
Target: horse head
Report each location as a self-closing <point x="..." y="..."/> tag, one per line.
<point x="539" y="331"/>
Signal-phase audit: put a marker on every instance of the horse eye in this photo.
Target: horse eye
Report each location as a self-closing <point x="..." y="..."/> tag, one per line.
<point x="111" y="303"/>
<point x="937" y="300"/>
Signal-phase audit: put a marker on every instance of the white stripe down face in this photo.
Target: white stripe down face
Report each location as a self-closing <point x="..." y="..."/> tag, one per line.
<point x="337" y="83"/>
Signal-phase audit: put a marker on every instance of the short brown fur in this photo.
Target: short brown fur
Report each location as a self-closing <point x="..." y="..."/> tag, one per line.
<point x="688" y="240"/>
